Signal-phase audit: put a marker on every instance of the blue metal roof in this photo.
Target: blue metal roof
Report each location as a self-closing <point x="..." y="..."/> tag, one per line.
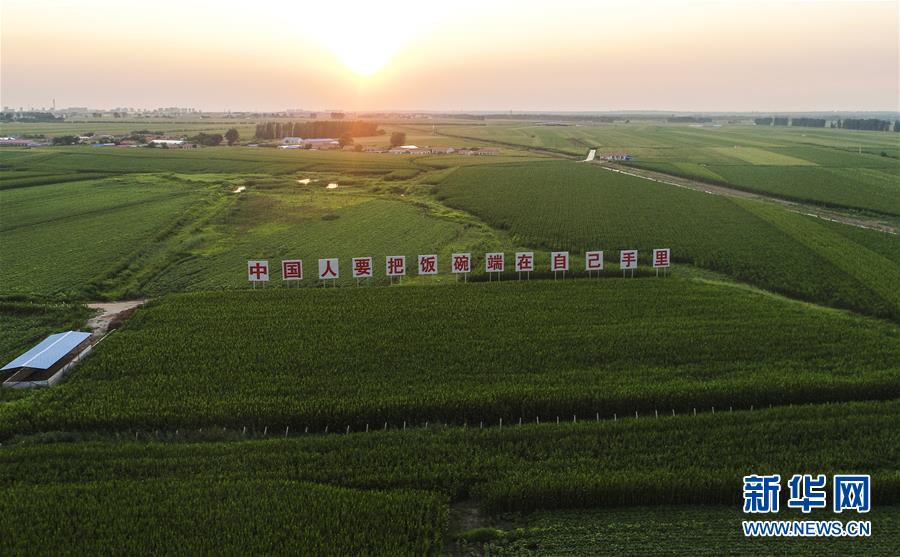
<point x="51" y="350"/>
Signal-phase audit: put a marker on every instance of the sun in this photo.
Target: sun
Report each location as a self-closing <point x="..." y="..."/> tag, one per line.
<point x="363" y="58"/>
<point x="365" y="36"/>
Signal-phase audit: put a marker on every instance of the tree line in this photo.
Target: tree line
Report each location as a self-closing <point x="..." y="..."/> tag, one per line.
<point x="317" y="129"/>
<point x="869" y="124"/>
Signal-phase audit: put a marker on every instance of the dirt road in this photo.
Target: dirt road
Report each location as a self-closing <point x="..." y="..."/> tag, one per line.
<point x="802" y="208"/>
<point x="110" y="312"/>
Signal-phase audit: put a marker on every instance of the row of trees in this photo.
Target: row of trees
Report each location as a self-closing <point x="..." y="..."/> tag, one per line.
<point x="689" y="119"/>
<point x="279" y="130"/>
<point x="870" y="124"/>
<point x="30" y="117"/>
<point x="809" y="122"/>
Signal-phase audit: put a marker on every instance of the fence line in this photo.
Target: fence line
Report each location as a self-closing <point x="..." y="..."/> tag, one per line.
<point x="243" y="432"/>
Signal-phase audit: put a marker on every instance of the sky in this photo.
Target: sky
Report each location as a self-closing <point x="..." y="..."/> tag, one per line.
<point x="463" y="55"/>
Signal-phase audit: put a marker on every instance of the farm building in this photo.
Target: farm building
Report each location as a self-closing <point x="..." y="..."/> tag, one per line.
<point x="617" y="157"/>
<point x="48" y="362"/>
<point x="292" y="141"/>
<point x="173" y="144"/>
<point x="442" y="150"/>
<point x="482" y="151"/>
<point x="12" y="142"/>
<point x="410" y="150"/>
<point x="322" y="144"/>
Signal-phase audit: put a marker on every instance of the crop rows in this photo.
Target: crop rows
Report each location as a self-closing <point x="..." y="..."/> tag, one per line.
<point x="217" y="517"/>
<point x="70" y="238"/>
<point x="466" y="353"/>
<point x="566" y="206"/>
<point x="645" y="461"/>
<point x="872" y="189"/>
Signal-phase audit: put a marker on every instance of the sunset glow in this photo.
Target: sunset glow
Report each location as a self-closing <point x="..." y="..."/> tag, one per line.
<point x="571" y="55"/>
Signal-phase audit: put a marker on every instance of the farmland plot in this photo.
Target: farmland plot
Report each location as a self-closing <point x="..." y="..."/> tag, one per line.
<point x="561" y="205"/>
<point x="218" y="517"/>
<point x="514" y="468"/>
<point x="454" y="354"/>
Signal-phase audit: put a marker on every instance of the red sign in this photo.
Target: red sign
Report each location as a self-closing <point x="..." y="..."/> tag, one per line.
<point x="362" y="267"/>
<point x="559" y="261"/>
<point x="292" y="269"/>
<point x="462" y="263"/>
<point x="258" y="271"/>
<point x="328" y="269"/>
<point x="524" y="261"/>
<point x="493" y="262"/>
<point x="661" y="258"/>
<point x="593" y="261"/>
<point x="396" y="265"/>
<point x="428" y="264"/>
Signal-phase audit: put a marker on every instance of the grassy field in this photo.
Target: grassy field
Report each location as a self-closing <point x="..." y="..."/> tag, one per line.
<point x="563" y="205"/>
<point x="839" y="168"/>
<point x="454" y="354"/>
<point x="84" y="224"/>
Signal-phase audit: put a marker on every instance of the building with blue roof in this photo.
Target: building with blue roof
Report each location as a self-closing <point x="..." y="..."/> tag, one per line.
<point x="48" y="362"/>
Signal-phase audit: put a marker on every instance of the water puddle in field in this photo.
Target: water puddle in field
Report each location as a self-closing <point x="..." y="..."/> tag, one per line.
<point x="239" y="189"/>
<point x="331" y="186"/>
<point x="304" y="181"/>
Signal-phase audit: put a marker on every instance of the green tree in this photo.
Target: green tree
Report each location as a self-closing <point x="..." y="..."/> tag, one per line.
<point x="208" y="139"/>
<point x="398" y="139"/>
<point x="232" y="136"/>
<point x="345" y="139"/>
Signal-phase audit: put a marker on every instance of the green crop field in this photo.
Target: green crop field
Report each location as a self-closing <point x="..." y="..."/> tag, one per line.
<point x="512" y="469"/>
<point x="520" y="417"/>
<point x="114" y="126"/>
<point x="250" y="517"/>
<point x="318" y="359"/>
<point x="560" y="205"/>
<point x="832" y="167"/>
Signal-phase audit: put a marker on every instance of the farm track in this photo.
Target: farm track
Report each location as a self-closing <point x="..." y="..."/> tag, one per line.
<point x="110" y="312"/>
<point x="793" y="206"/>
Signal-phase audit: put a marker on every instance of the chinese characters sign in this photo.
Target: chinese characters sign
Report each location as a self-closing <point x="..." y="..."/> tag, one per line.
<point x="292" y="269"/>
<point x="460" y="263"/>
<point x="328" y="269"/>
<point x="258" y="271"/>
<point x="395" y="265"/>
